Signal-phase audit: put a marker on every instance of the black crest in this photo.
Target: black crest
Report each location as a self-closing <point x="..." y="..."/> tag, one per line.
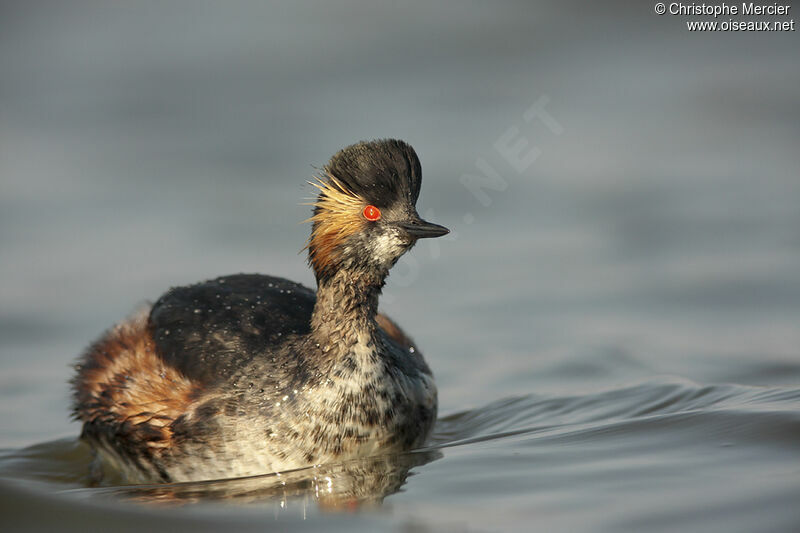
<point x="379" y="171"/>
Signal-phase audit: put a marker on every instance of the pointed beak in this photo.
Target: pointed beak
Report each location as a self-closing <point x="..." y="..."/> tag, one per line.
<point x="421" y="229"/>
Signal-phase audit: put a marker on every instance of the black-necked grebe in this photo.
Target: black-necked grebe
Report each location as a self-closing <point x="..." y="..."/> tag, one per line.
<point x="249" y="374"/>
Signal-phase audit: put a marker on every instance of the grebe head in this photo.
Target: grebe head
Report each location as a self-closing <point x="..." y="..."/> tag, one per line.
<point x="365" y="216"/>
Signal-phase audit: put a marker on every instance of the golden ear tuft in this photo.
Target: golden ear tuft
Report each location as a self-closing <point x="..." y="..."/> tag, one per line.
<point x="333" y="198"/>
<point x="337" y="216"/>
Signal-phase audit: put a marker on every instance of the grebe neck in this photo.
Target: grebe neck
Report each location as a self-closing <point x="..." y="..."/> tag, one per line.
<point x="346" y="307"/>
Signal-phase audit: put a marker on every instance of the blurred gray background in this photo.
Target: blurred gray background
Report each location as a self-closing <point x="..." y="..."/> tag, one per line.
<point x="149" y="144"/>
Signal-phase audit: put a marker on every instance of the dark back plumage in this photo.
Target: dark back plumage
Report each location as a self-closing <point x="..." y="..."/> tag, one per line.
<point x="209" y="330"/>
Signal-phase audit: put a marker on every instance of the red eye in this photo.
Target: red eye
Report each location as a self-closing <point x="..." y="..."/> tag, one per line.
<point x="372" y="213"/>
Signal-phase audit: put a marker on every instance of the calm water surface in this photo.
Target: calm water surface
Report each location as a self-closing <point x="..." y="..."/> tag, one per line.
<point x="613" y="323"/>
